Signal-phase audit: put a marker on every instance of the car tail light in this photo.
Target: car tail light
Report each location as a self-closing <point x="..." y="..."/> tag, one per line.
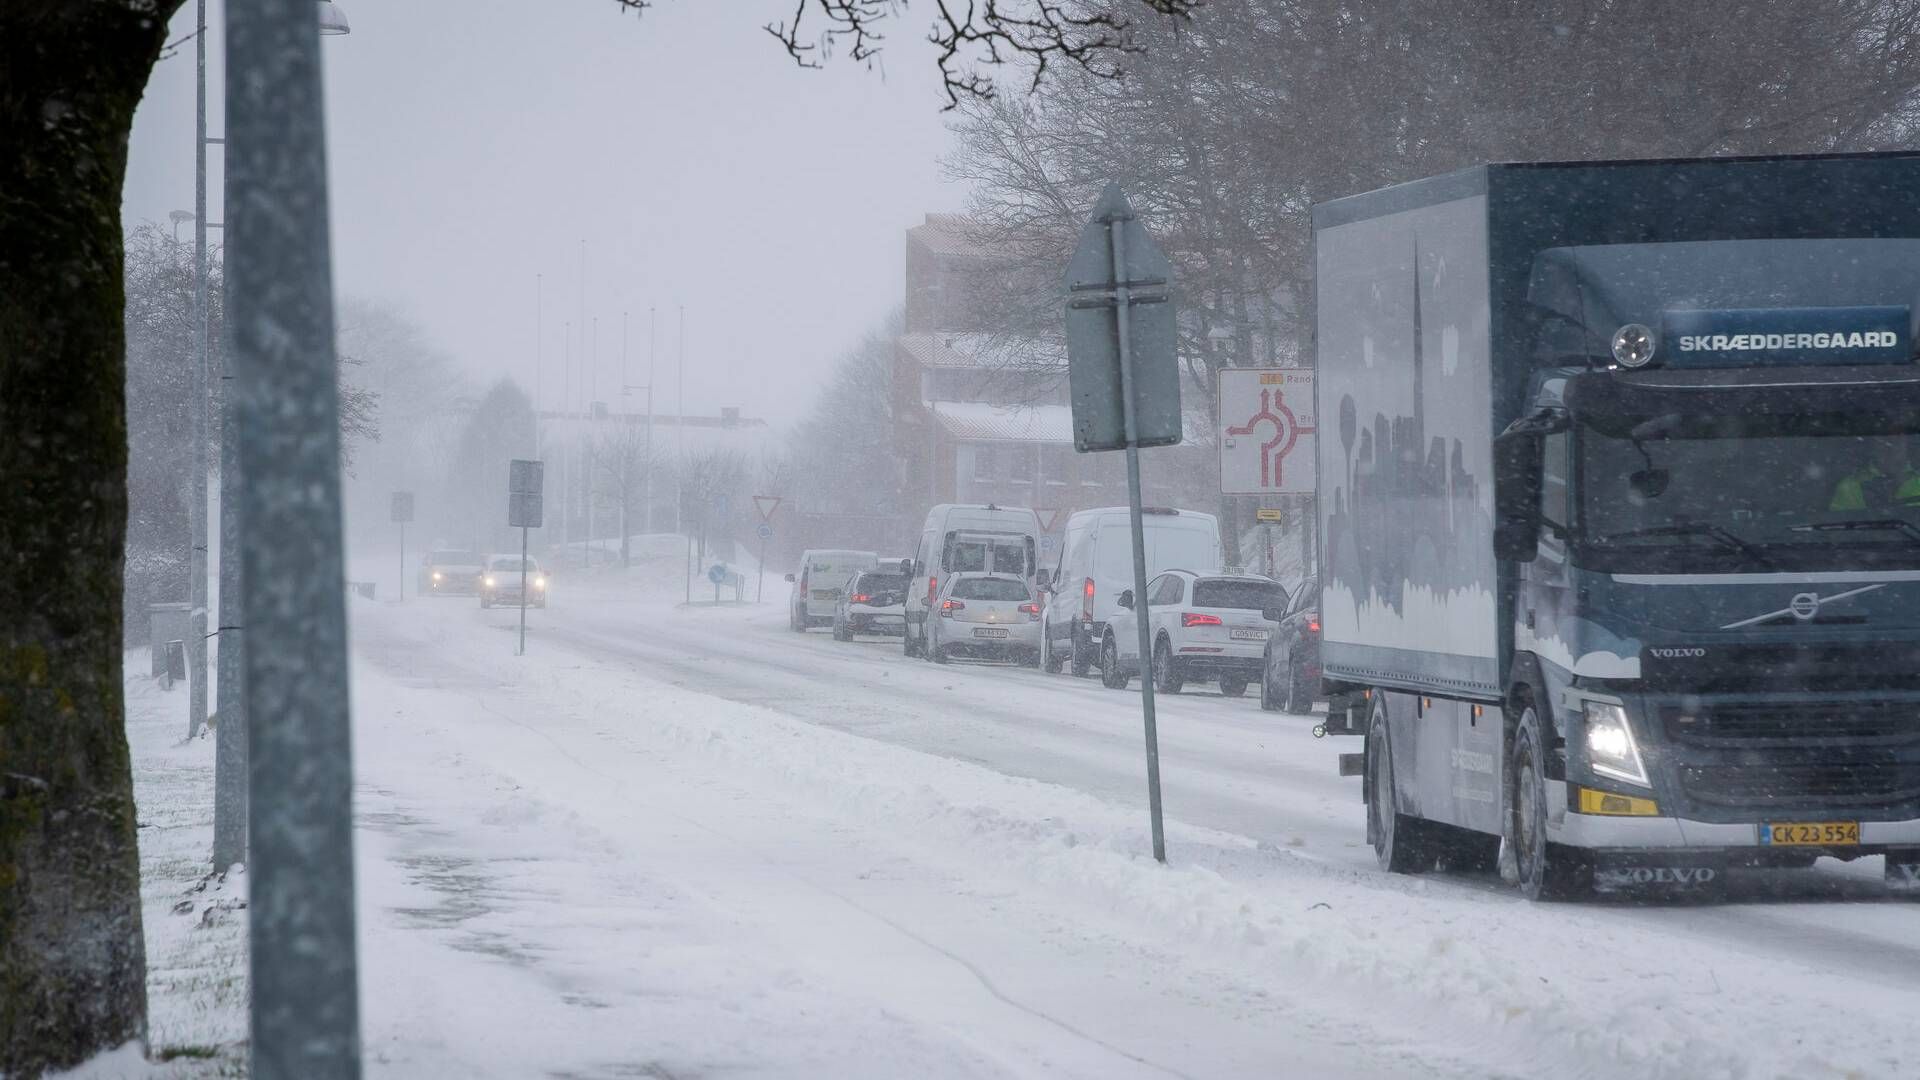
<point x="859" y="598"/>
<point x="1191" y="618"/>
<point x="1313" y="622"/>
<point x="1086" y="600"/>
<point x="947" y="608"/>
<point x="1032" y="610"/>
<point x="933" y="590"/>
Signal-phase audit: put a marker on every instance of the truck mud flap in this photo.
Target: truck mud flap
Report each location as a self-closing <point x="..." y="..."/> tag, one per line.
<point x="1903" y="871"/>
<point x="1353" y="764"/>
<point x="1659" y="873"/>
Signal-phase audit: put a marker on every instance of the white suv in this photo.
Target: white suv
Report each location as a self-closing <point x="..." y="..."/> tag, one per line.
<point x="1203" y="627"/>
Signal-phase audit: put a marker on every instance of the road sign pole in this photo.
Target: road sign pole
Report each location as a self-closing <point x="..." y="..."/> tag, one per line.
<point x="760" y="587"/>
<point x="523" y="592"/>
<point x="1121" y="298"/>
<point x="401" y="592"/>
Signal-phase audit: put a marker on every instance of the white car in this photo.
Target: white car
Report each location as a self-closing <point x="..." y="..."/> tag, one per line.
<point x="985" y="616"/>
<point x="1203" y="627"/>
<point x="874" y="602"/>
<point x="500" y="582"/>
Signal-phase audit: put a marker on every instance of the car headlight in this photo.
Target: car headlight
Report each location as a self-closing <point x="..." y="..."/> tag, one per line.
<point x="1611" y="750"/>
<point x="489" y="582"/>
<point x="539" y="583"/>
<point x="436" y="575"/>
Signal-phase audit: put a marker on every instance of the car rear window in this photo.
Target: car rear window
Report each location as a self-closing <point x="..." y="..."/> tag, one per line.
<point x="990" y="589"/>
<point x="881" y="583"/>
<point x="1248" y="595"/>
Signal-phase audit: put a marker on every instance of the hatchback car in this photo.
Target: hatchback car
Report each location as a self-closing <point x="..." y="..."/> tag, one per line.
<point x="1204" y="627"/>
<point x="1291" y="675"/>
<point x="985" y="616"/>
<point x="500" y="582"/>
<point x="875" y="602"/>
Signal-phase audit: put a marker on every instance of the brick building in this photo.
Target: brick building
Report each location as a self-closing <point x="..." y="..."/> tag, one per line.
<point x="980" y="416"/>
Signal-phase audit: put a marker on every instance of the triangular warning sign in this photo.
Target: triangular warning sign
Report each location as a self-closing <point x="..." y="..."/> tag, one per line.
<point x="766" y="505"/>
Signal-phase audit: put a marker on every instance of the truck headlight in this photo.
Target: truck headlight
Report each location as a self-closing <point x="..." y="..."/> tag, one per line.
<point x="1611" y="750"/>
<point x="489" y="581"/>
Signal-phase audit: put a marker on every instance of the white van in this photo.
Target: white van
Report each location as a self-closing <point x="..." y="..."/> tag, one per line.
<point x="1096" y="565"/>
<point x="817" y="585"/>
<point x="968" y="540"/>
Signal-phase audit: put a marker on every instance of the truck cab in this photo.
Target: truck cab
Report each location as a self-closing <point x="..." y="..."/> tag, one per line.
<point x="1621" y="524"/>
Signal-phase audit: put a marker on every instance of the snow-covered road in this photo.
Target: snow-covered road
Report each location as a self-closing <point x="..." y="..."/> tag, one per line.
<point x="691" y="841"/>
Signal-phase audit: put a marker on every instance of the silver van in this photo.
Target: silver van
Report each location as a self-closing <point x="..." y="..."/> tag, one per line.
<point x="958" y="539"/>
<point x="819" y="583"/>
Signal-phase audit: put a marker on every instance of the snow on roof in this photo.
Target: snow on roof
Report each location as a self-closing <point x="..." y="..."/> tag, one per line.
<point x="978" y="350"/>
<point x="1007" y="423"/>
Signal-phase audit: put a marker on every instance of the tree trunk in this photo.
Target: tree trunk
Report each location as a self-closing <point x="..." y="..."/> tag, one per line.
<point x="72" y="962"/>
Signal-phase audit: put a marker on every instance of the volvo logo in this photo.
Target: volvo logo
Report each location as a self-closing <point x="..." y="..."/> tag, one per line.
<point x="1694" y="652"/>
<point x="1804" y="607"/>
<point x="1655" y="875"/>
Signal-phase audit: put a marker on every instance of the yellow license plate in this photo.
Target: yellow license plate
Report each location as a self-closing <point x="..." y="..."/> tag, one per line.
<point x="1810" y="833"/>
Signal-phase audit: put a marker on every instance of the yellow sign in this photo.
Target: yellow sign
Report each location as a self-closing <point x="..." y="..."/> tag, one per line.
<point x="1606" y="802"/>
<point x="1265" y="514"/>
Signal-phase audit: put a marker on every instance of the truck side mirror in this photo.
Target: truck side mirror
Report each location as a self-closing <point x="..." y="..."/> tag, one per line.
<point x="1516" y="494"/>
<point x="1125" y="599"/>
<point x="789" y="577"/>
<point x="1043" y="580"/>
<point x="906" y="567"/>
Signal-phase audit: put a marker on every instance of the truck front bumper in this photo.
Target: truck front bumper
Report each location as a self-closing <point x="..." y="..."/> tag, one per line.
<point x="1609" y="831"/>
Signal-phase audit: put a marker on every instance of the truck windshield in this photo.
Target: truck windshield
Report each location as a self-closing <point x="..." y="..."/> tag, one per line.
<point x="1595" y="289"/>
<point x="1746" y="494"/>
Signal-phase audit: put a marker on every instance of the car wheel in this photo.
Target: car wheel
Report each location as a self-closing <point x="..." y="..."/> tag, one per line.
<point x="1397" y="838"/>
<point x="937" y="652"/>
<point x="1547" y="871"/>
<point x="485" y="603"/>
<point x="906" y="642"/>
<point x="1050" y="661"/>
<point x="1030" y="658"/>
<point x="1081" y="654"/>
<point x="1299" y="696"/>
<point x="841" y="631"/>
<point x="1268" y="703"/>
<point x="1167" y="676"/>
<point x="1111" y="675"/>
<point x="1233" y="685"/>
<point x="796" y="621"/>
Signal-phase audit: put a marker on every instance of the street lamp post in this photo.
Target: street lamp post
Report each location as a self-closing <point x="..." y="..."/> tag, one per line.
<point x="230" y="749"/>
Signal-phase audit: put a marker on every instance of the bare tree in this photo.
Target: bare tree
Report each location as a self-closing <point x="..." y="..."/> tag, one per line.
<point x="623" y="469"/>
<point x="713" y="484"/>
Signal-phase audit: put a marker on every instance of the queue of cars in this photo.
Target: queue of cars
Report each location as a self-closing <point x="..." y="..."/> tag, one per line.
<point x="495" y="579"/>
<point x="975" y="587"/>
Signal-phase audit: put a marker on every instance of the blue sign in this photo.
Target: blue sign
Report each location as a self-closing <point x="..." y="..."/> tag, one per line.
<point x="718" y="575"/>
<point x="1777" y="337"/>
<point x="764" y="532"/>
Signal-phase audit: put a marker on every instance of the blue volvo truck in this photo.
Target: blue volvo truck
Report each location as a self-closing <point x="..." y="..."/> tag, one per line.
<point x="1620" y="519"/>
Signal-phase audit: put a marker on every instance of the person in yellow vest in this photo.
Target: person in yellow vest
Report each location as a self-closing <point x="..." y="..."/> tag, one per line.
<point x="1889" y="480"/>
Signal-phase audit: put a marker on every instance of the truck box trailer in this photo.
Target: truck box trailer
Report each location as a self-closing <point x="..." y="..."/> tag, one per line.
<point x="1620" y="520"/>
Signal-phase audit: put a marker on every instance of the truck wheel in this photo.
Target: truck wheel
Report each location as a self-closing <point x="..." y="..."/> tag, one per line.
<point x="1050" y="661"/>
<point x="1233" y="685"/>
<point x="1547" y="871"/>
<point x="1396" y="837"/>
<point x="1081" y="660"/>
<point x="1111" y="675"/>
<point x="1167" y="676"/>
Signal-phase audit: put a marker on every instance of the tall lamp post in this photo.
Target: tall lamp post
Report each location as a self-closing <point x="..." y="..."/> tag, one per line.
<point x="230" y="750"/>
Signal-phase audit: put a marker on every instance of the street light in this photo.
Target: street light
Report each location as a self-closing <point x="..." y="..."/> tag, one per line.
<point x="333" y="21"/>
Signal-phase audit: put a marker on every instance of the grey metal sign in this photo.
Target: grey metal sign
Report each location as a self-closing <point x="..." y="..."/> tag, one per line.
<point x="1120" y="309"/>
<point x="402" y="510"/>
<point x="526" y="476"/>
<point x="525" y="502"/>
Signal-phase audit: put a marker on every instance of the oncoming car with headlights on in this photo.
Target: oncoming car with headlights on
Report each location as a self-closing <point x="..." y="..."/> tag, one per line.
<point x="500" y="582"/>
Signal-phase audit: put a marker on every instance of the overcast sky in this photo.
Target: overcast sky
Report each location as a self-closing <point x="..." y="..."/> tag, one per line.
<point x="475" y="144"/>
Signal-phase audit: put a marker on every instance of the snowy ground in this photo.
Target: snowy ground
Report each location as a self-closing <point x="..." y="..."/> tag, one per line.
<point x="675" y="842"/>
